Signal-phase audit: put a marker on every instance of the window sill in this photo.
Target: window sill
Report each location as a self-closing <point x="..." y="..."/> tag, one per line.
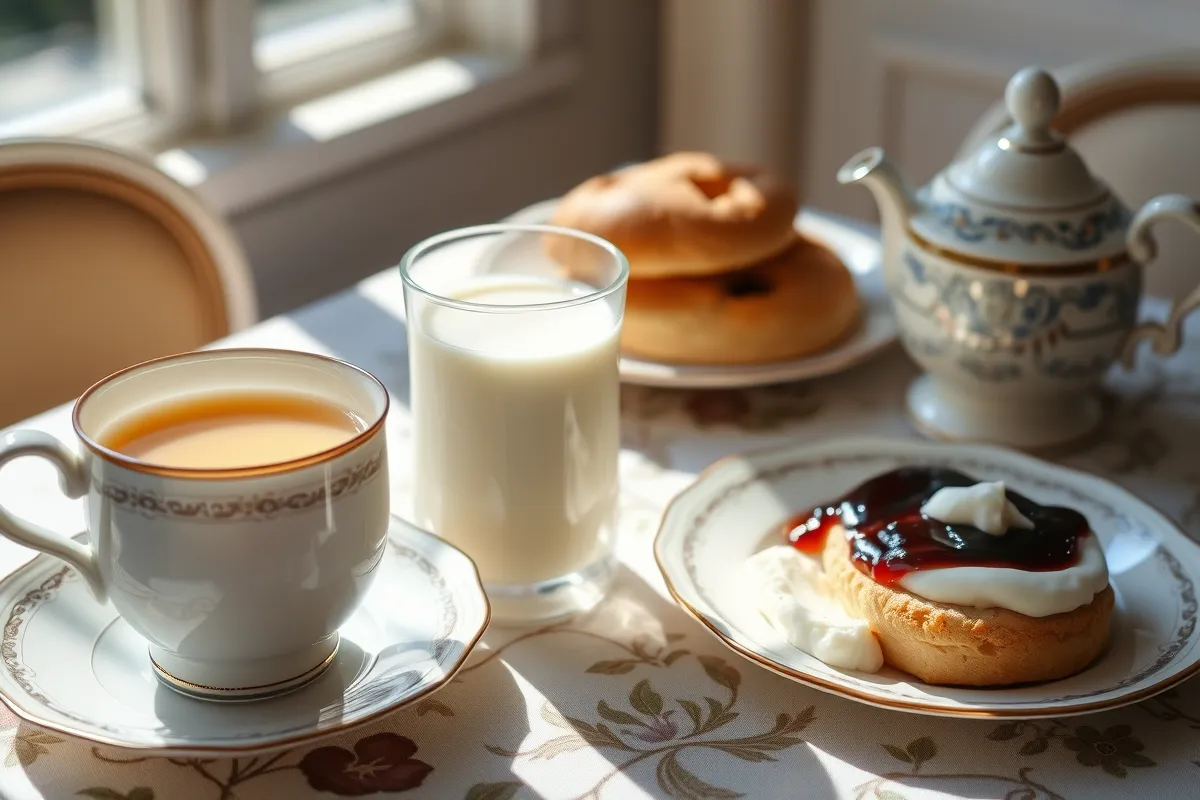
<point x="318" y="140"/>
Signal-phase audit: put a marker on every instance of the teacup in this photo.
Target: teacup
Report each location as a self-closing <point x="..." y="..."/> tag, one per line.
<point x="238" y="578"/>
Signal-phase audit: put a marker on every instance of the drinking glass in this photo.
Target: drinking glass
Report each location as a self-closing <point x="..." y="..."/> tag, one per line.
<point x="513" y="334"/>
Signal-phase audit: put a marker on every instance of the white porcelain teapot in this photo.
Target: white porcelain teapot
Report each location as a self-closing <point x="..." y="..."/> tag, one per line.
<point x="1015" y="276"/>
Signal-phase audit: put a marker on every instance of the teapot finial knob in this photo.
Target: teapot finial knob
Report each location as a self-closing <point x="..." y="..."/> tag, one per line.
<point x="1032" y="98"/>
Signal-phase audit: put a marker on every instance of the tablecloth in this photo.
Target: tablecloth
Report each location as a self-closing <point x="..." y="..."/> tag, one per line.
<point x="635" y="699"/>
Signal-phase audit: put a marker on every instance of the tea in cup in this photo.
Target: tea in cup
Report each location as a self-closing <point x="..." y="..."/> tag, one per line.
<point x="237" y="506"/>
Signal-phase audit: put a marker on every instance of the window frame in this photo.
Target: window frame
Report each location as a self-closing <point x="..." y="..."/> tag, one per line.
<point x="196" y="68"/>
<point x="147" y="33"/>
<point x="363" y="49"/>
<point x="238" y="89"/>
<point x="207" y="120"/>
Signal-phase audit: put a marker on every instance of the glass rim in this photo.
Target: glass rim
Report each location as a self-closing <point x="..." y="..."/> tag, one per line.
<point x="493" y="229"/>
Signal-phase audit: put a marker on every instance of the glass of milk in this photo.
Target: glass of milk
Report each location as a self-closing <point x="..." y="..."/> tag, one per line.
<point x="515" y="408"/>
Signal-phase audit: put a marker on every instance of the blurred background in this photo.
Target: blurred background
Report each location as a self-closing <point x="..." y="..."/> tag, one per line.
<point x="333" y="134"/>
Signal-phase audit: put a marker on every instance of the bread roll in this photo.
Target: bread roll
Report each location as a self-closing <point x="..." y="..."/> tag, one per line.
<point x="683" y="215"/>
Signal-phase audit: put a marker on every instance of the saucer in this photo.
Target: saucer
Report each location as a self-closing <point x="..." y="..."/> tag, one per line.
<point x="861" y="254"/>
<point x="735" y="507"/>
<point x="72" y="665"/>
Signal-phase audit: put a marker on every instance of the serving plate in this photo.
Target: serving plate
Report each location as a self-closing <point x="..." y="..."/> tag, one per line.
<point x="734" y="509"/>
<point x="877" y="328"/>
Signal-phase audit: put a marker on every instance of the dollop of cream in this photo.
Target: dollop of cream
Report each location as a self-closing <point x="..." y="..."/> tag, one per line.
<point x="1034" y="594"/>
<point x="788" y="588"/>
<point x="983" y="505"/>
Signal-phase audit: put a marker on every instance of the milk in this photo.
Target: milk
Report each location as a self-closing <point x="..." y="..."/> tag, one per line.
<point x="516" y="425"/>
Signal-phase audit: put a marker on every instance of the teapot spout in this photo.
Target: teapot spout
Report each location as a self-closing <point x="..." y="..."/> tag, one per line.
<point x="896" y="203"/>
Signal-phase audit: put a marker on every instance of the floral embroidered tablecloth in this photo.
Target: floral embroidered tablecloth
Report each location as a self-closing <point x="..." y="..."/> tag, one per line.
<point x="635" y="699"/>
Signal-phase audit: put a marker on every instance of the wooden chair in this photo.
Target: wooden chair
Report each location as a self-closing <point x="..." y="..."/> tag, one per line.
<point x="1136" y="121"/>
<point x="104" y="262"/>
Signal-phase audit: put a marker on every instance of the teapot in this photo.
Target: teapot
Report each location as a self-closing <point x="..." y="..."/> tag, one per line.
<point x="1015" y="276"/>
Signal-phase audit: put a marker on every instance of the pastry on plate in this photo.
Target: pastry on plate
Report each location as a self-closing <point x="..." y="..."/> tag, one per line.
<point x="962" y="582"/>
<point x="718" y="273"/>
<point x="947" y="643"/>
<point x="798" y="303"/>
<point x="687" y="214"/>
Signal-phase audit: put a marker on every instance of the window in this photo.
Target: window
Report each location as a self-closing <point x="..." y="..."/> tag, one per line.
<point x="151" y="69"/>
<point x="65" y="57"/>
<point x="290" y="31"/>
<point x="300" y="45"/>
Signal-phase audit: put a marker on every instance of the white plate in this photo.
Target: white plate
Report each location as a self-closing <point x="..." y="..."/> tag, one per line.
<point x="877" y="329"/>
<point x="734" y="508"/>
<point x="73" y="666"/>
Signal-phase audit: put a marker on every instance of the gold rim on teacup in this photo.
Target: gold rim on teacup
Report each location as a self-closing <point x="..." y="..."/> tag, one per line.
<point x="274" y="468"/>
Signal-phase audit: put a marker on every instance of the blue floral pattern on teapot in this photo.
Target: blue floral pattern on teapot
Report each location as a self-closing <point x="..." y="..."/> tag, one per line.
<point x="1081" y="234"/>
<point x="1023" y="319"/>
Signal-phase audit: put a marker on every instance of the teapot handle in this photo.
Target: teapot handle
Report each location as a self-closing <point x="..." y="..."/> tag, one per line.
<point x="1165" y="338"/>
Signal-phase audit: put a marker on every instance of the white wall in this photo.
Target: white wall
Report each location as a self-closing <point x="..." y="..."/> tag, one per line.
<point x="327" y="237"/>
<point x="914" y="75"/>
<point x="731" y="79"/>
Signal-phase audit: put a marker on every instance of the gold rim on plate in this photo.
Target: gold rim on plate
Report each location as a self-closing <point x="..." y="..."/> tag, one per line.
<point x="900" y="704"/>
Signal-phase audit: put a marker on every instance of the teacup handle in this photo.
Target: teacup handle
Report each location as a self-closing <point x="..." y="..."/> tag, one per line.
<point x="1167" y="337"/>
<point x="73" y="479"/>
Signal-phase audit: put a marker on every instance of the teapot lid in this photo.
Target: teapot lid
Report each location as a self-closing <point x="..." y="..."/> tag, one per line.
<point x="1026" y="196"/>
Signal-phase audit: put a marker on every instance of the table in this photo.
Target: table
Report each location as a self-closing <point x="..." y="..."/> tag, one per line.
<point x="606" y="706"/>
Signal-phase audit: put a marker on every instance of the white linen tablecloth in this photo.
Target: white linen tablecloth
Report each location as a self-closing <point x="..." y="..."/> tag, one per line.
<point x="604" y="706"/>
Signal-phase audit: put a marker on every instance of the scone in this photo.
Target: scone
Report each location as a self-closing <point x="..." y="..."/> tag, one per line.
<point x="962" y="581"/>
<point x="795" y="304"/>
<point x="961" y="645"/>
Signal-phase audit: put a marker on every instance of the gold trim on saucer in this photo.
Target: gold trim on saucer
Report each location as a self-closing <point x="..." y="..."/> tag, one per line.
<point x="267" y="689"/>
<point x="1068" y="269"/>
<point x="90" y="734"/>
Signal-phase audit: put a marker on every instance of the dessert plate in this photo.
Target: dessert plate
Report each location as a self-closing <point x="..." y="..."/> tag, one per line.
<point x="877" y="329"/>
<point x="735" y="507"/>
<point x="74" y="666"/>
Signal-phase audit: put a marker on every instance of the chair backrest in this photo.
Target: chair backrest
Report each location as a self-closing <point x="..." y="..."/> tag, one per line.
<point x="104" y="262"/>
<point x="1136" y="121"/>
